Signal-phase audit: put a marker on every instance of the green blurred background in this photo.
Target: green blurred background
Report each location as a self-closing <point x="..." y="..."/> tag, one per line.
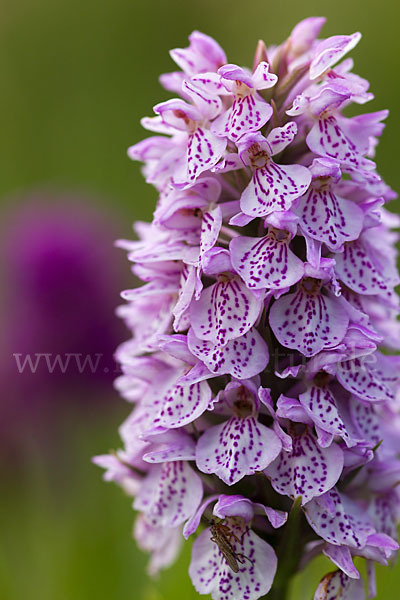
<point x="76" y="76"/>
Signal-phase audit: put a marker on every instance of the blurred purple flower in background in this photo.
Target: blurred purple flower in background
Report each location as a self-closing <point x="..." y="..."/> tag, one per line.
<point x="266" y="404"/>
<point x="59" y="331"/>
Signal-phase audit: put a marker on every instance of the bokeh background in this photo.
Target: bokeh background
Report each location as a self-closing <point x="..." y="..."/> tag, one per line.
<point x="75" y="78"/>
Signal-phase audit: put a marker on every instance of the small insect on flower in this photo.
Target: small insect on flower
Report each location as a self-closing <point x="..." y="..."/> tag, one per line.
<point x="222" y="536"/>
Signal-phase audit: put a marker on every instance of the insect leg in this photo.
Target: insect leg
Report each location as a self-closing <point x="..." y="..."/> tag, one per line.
<point x="239" y="557"/>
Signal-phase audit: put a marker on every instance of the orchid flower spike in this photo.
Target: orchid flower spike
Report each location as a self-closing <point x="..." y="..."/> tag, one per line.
<point x="261" y="366"/>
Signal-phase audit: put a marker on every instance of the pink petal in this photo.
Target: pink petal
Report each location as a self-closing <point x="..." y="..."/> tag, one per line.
<point x="185" y="295"/>
<point x="290" y="408"/>
<point x="341" y="557"/>
<point x="361" y="128"/>
<point x="225" y="311"/>
<point x="246" y="114"/>
<point x="262" y="79"/>
<point x="116" y="469"/>
<point x="150" y="148"/>
<point x="234" y="506"/>
<point x="234" y="73"/>
<point x="169" y="446"/>
<point x="277" y="518"/>
<point x="265" y="262"/>
<point x="307" y="470"/>
<point x="164" y="543"/>
<point x="330" y="51"/>
<point x="211" y="83"/>
<point x="320" y="405"/>
<point x="170" y="494"/>
<point x="230" y="162"/>
<point x="326" y="138"/>
<point x="338" y="520"/>
<point x="176" y="112"/>
<point x="175" y="345"/>
<point x="305" y="33"/>
<point x="281" y="137"/>
<point x="384" y="511"/>
<point x="357" y="377"/>
<point x="210" y="228"/>
<point x="366" y="419"/>
<point x="172" y="81"/>
<point x="337" y="586"/>
<point x="204" y="151"/>
<point x="274" y="188"/>
<point x="210" y="573"/>
<point x="243" y="357"/>
<point x="203" y="54"/>
<point x="209" y="104"/>
<point x="326" y="217"/>
<point x="328" y="100"/>
<point x="183" y="404"/>
<point x="217" y="261"/>
<point x="358" y="270"/>
<point x="308" y="323"/>
<point x="192" y="524"/>
<point x="236" y="448"/>
<point x="157" y="125"/>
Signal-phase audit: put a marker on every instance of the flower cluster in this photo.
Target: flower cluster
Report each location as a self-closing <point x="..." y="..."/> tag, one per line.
<point x="265" y="401"/>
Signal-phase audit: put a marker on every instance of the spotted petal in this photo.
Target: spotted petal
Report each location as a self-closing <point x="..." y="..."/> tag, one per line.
<point x="211" y="574"/>
<point x="320" y="404"/>
<point x="163" y="543"/>
<point x="265" y="262"/>
<point x="337" y="586"/>
<point x="384" y="511"/>
<point x="308" y="322"/>
<point x="185" y="295"/>
<point x="338" y="520"/>
<point x="262" y="78"/>
<point x="225" y="311"/>
<point x="184" y="403"/>
<point x="209" y="104"/>
<point x="274" y="188"/>
<point x="177" y="113"/>
<point x="307" y="470"/>
<point x="248" y="113"/>
<point x="360" y="379"/>
<point x="171" y="445"/>
<point x="326" y="217"/>
<point x="326" y="138"/>
<point x="211" y="83"/>
<point x="210" y="228"/>
<point x="203" y="152"/>
<point x="330" y="51"/>
<point x="280" y="137"/>
<point x="243" y="357"/>
<point x="365" y="417"/>
<point x="236" y="448"/>
<point x="360" y="271"/>
<point x="341" y="557"/>
<point x="170" y="494"/>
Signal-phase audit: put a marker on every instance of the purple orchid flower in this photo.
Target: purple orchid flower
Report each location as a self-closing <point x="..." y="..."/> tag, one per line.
<point x="240" y="446"/>
<point x="204" y="148"/>
<point x="209" y="570"/>
<point x="258" y="366"/>
<point x="249" y="112"/>
<point x="324" y="215"/>
<point x="273" y="187"/>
